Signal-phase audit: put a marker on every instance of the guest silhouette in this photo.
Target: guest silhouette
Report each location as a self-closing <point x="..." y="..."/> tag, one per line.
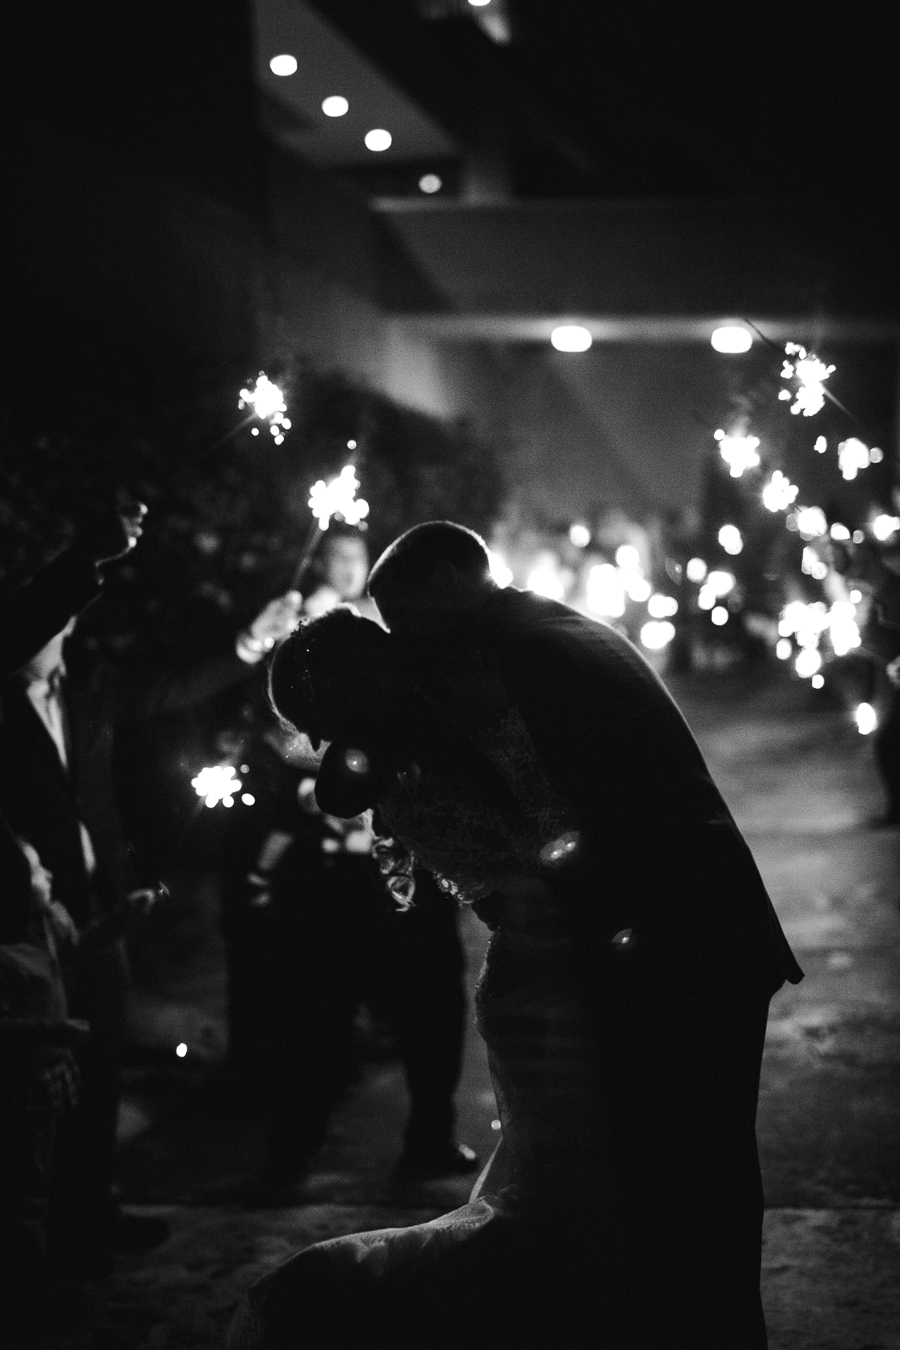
<point x="57" y="726"/>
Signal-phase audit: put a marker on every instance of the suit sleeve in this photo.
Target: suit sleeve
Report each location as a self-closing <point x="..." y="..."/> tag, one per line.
<point x="35" y="613"/>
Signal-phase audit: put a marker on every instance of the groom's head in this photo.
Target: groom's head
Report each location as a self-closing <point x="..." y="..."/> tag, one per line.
<point x="431" y="578"/>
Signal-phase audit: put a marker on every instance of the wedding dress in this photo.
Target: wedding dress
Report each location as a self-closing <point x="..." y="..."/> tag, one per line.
<point x="512" y="1263"/>
<point x="622" y="1208"/>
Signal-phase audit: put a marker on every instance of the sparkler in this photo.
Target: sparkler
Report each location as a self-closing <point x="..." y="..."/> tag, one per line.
<point x="266" y="402"/>
<point x="336" y="497"/>
<point x="217" y="783"/>
<point x="811" y="374"/>
<point x="738" y="452"/>
<point x="779" y="493"/>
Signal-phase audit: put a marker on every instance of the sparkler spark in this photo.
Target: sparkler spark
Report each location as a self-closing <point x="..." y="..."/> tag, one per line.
<point x="338" y="498"/>
<point x="811" y="374"/>
<point x="267" y="402"/>
<point x="217" y="783"/>
<point x="738" y="452"/>
<point x="853" y="455"/>
<point x="779" y="492"/>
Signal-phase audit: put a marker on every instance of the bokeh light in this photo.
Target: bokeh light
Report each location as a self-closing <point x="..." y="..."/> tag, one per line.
<point x="571" y="338"/>
<point x="378" y="139"/>
<point x="731" y="339"/>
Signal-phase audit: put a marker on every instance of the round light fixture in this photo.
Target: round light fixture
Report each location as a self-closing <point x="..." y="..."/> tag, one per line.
<point x="732" y="338"/>
<point x="283" y="65"/>
<point x="378" y="139"/>
<point x="429" y="182"/>
<point x="335" y="105"/>
<point x="571" y="338"/>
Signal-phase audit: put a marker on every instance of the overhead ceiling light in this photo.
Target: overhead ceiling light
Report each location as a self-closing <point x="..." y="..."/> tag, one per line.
<point x="378" y="139"/>
<point x="479" y="4"/>
<point x="429" y="182"/>
<point x="283" y="65"/>
<point x="335" y="105"/>
<point x="571" y="338"/>
<point x="732" y="338"/>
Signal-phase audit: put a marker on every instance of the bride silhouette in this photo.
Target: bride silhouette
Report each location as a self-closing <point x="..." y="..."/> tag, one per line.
<point x="622" y="1206"/>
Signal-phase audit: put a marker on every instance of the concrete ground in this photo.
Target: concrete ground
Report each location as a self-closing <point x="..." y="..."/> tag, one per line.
<point x="801" y="783"/>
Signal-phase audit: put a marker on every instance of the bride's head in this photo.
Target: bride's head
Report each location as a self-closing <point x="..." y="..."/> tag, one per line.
<point x="336" y="676"/>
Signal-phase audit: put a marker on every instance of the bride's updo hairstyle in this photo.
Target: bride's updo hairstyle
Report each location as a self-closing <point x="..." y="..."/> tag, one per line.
<point x="323" y="661"/>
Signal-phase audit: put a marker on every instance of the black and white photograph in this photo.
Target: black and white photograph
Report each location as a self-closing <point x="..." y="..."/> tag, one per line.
<point x="449" y="676"/>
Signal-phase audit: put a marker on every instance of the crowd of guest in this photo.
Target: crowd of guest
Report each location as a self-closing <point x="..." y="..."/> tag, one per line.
<point x="310" y="931"/>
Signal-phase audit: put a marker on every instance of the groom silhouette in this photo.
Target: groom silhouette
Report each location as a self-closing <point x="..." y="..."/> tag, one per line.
<point x="680" y="949"/>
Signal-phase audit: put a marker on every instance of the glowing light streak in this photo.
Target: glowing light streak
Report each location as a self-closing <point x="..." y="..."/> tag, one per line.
<point x="730" y="539"/>
<point x="853" y="455"/>
<point x="657" y="634"/>
<point x="779" y="493"/>
<point x="215" y="784"/>
<point x="337" y="497"/>
<point x="866" y="719"/>
<point x="810" y="374"/>
<point x="739" y="452"/>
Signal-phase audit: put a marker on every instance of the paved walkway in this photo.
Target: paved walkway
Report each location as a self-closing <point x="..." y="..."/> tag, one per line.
<point x="800" y="780"/>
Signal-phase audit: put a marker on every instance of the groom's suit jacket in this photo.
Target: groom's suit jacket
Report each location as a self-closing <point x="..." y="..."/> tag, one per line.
<point x="661" y="853"/>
